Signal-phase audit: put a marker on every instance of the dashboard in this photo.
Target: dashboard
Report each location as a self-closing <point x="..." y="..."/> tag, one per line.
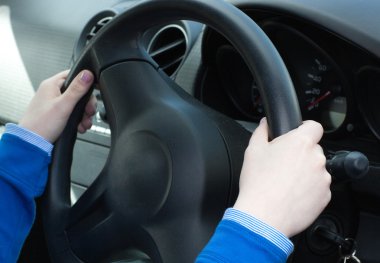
<point x="330" y="48"/>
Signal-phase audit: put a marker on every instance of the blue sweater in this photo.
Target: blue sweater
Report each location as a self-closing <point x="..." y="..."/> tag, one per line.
<point x="23" y="176"/>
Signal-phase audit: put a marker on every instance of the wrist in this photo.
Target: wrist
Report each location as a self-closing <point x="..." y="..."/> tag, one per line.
<point x="264" y="213"/>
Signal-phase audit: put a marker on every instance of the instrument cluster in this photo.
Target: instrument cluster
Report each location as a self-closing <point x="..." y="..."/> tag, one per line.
<point x="336" y="82"/>
<point x="319" y="83"/>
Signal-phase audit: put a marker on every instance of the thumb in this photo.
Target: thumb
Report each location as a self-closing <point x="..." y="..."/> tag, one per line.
<point x="77" y="88"/>
<point x="260" y="135"/>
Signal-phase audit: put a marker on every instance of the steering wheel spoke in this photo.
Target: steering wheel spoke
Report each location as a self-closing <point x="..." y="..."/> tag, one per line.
<point x="130" y="90"/>
<point x="89" y="203"/>
<point x="99" y="227"/>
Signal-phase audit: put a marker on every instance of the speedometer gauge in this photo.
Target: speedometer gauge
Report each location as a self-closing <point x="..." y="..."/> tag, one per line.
<point x="319" y="84"/>
<point x="321" y="95"/>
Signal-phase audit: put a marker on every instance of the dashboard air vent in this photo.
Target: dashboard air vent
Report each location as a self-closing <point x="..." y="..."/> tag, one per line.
<point x="168" y="48"/>
<point x="98" y="25"/>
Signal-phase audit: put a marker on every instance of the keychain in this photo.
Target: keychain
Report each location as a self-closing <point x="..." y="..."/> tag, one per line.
<point x="347" y="254"/>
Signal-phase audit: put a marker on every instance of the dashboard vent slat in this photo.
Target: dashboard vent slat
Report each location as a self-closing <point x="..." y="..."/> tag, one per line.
<point x="177" y="61"/>
<point x="168" y="48"/>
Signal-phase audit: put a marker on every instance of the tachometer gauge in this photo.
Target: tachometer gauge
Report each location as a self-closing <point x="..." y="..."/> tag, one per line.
<point x="239" y="84"/>
<point x="318" y="81"/>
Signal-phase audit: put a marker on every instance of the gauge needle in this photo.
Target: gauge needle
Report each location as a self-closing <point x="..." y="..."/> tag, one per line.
<point x="313" y="103"/>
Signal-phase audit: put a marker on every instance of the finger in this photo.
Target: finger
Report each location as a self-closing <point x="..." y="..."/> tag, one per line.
<point x="320" y="149"/>
<point x="86" y="123"/>
<point x="59" y="76"/>
<point x="81" y="129"/>
<point x="59" y="83"/>
<point x="312" y="129"/>
<point x="62" y="75"/>
<point x="319" y="156"/>
<point x="51" y="87"/>
<point x="77" y="89"/>
<point x="260" y="135"/>
<point x="91" y="106"/>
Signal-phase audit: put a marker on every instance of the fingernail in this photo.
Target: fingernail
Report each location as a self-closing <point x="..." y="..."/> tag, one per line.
<point x="262" y="120"/>
<point x="86" y="77"/>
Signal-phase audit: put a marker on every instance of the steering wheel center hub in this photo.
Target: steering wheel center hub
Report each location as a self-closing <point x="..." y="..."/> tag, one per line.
<point x="140" y="172"/>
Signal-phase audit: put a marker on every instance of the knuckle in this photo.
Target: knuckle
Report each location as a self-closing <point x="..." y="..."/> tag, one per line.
<point x="315" y="127"/>
<point x="76" y="88"/>
<point x="88" y="123"/>
<point x="58" y="108"/>
<point x="305" y="140"/>
<point x="247" y="152"/>
<point x="318" y="127"/>
<point x="75" y="91"/>
<point x="327" y="179"/>
<point x="45" y="84"/>
<point x="320" y="160"/>
<point x="328" y="197"/>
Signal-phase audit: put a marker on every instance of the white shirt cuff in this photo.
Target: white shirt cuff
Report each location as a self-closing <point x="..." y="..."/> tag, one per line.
<point x="259" y="227"/>
<point x="30" y="137"/>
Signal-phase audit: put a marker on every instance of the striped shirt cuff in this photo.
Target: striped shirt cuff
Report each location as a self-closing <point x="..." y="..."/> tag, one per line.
<point x="257" y="226"/>
<point x="30" y="137"/>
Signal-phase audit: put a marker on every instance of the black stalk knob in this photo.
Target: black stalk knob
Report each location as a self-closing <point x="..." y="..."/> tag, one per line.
<point x="345" y="165"/>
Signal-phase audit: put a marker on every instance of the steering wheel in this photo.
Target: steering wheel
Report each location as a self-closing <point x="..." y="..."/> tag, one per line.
<point x="174" y="164"/>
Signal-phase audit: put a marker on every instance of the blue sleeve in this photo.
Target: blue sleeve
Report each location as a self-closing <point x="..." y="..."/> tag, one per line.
<point x="241" y="238"/>
<point x="23" y="176"/>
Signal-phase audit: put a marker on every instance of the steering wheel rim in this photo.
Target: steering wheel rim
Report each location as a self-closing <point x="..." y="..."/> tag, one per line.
<point x="174" y="138"/>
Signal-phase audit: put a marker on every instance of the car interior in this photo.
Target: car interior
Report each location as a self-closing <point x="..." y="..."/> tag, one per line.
<point x="181" y="85"/>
